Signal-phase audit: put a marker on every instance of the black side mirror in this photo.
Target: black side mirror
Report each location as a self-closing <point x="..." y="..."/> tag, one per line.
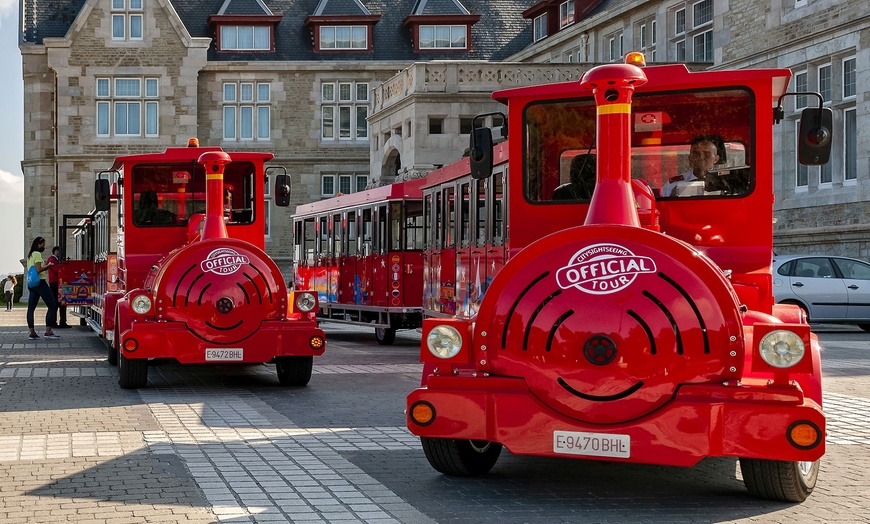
<point x="282" y="190"/>
<point x="480" y="153"/>
<point x="102" y="194"/>
<point x="814" y="142"/>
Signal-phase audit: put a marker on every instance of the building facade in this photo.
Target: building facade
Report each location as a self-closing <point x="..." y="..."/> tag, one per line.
<point x="293" y="77"/>
<point x="826" y="44"/>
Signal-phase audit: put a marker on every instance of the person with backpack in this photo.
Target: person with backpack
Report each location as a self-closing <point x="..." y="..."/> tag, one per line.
<point x="39" y="290"/>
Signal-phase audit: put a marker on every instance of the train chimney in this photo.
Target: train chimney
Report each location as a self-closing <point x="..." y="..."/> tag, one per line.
<point x="214" y="225"/>
<point x="612" y="86"/>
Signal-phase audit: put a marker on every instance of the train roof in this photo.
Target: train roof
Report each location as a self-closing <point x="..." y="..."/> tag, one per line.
<point x="661" y="77"/>
<point x="406" y="190"/>
<point x="188" y="154"/>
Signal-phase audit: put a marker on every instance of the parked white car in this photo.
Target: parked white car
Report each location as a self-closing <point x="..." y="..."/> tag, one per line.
<point x="829" y="289"/>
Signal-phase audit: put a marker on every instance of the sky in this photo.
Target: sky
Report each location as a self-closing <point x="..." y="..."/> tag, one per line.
<point x="12" y="247"/>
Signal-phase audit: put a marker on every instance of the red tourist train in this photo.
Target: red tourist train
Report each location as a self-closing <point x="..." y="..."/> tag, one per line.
<point x="362" y="254"/>
<point x="175" y="254"/>
<point x="604" y="303"/>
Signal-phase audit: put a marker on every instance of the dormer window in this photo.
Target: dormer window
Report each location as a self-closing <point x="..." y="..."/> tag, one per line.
<point x="252" y="32"/>
<point x="343" y="37"/>
<point x="540" y="31"/>
<point x="127" y="19"/>
<point x="566" y="13"/>
<point x="245" y="38"/>
<point x="454" y="37"/>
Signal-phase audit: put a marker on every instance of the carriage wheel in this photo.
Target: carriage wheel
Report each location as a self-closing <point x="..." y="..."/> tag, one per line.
<point x="462" y="458"/>
<point x="132" y="372"/>
<point x="385" y="336"/>
<point x="294" y="371"/>
<point x="787" y="481"/>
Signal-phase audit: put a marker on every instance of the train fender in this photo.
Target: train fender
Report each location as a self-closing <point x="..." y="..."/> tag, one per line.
<point x="124" y="318"/>
<point x="109" y="302"/>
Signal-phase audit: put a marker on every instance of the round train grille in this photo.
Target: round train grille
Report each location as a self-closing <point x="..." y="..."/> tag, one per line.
<point x="599" y="350"/>
<point x="224" y="305"/>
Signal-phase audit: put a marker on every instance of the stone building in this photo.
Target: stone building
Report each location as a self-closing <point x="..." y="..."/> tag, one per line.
<point x="294" y="77"/>
<point x="826" y="44"/>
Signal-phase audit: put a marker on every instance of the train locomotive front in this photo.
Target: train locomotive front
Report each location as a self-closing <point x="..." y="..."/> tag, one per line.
<point x="215" y="300"/>
<point x="614" y="341"/>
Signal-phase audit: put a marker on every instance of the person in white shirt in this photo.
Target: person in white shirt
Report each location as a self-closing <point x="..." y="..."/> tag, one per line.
<point x="706" y="151"/>
<point x="9" y="290"/>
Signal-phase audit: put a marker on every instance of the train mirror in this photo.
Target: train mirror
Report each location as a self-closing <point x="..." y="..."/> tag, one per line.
<point x="480" y="153"/>
<point x="101" y="194"/>
<point x="282" y="190"/>
<point x="814" y="143"/>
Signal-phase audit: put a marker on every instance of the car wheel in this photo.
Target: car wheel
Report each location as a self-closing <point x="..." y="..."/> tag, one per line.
<point x="786" y="481"/>
<point x="461" y="458"/>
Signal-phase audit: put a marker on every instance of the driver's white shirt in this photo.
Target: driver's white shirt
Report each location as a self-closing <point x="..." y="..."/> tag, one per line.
<point x="673" y="182"/>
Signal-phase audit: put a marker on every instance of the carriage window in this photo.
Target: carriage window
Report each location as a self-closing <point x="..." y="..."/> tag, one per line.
<point x="496" y="208"/>
<point x="684" y="144"/>
<point x="427" y="221"/>
<point x="465" y="215"/>
<point x="414" y="226"/>
<point x="367" y="228"/>
<point x="309" y="239"/>
<point x="336" y="236"/>
<point x="480" y="197"/>
<point x="324" y="236"/>
<point x="351" y="234"/>
<point x="382" y="241"/>
<point x="450" y="225"/>
<point x="395" y="226"/>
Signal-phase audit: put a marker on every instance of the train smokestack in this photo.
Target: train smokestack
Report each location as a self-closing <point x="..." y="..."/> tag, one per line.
<point x="214" y="225"/>
<point x="612" y="86"/>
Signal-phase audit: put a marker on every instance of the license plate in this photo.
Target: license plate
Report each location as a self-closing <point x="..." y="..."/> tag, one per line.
<point x="592" y="444"/>
<point x="224" y="354"/>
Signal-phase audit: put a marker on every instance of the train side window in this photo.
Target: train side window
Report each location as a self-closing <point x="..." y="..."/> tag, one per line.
<point x="336" y="235"/>
<point x="239" y="193"/>
<point x="396" y="226"/>
<point x="450" y="223"/>
<point x="480" y="198"/>
<point x="367" y="232"/>
<point x="383" y="241"/>
<point x="413" y="226"/>
<point x="496" y="208"/>
<point x="439" y="220"/>
<point x="309" y="239"/>
<point x="427" y="221"/>
<point x="297" y="240"/>
<point x="465" y="214"/>
<point x="351" y="235"/>
<point x="323" y="237"/>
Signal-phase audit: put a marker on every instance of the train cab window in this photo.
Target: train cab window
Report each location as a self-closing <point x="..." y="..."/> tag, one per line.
<point x="367" y="227"/>
<point x="480" y="211"/>
<point x="663" y="129"/>
<point x="414" y="226"/>
<point x="465" y="214"/>
<point x="351" y="233"/>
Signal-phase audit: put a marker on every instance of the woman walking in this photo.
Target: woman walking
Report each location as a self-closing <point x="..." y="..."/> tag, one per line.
<point x="41" y="290"/>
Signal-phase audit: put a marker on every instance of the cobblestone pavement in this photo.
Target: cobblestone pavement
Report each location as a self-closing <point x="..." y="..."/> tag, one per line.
<point x="227" y="444"/>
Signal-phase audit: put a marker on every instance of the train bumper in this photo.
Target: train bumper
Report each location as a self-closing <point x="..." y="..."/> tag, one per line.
<point x="751" y="421"/>
<point x="287" y="338"/>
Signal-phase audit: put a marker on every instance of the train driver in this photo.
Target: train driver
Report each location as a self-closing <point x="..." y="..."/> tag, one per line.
<point x="706" y="152"/>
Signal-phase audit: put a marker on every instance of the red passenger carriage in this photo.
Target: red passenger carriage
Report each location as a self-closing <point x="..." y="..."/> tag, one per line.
<point x="362" y="254"/>
<point x="624" y="325"/>
<point x="179" y="267"/>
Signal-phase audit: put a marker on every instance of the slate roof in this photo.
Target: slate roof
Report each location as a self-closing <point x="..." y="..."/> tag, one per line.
<point x="500" y="32"/>
<point x="341" y="7"/>
<point x="439" y="7"/>
<point x="244" y="7"/>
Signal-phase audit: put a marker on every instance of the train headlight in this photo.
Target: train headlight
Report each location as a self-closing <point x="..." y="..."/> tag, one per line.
<point x="305" y="302"/>
<point x="782" y="348"/>
<point x="141" y="304"/>
<point x="444" y="341"/>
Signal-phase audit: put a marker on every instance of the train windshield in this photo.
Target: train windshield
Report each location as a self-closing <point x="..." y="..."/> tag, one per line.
<point x="168" y="194"/>
<point x="694" y="144"/>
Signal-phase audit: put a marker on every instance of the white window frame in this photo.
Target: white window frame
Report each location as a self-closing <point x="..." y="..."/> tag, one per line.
<point x="452" y="36"/>
<point x="801" y="84"/>
<point x="798" y="166"/>
<point x="344" y="111"/>
<point x="128" y="17"/>
<point x="677" y="30"/>
<point x="695" y="23"/>
<point x="247" y="111"/>
<point x="231" y="37"/>
<point x="854" y="74"/>
<point x="365" y="183"/>
<point x="323" y="191"/>
<point x="703" y="36"/>
<point x="830" y="75"/>
<point x="566" y="13"/>
<point x="120" y="98"/>
<point x="677" y="45"/>
<point x="353" y="42"/>
<point x="539" y="28"/>
<point x="653" y="31"/>
<point x="643" y="36"/>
